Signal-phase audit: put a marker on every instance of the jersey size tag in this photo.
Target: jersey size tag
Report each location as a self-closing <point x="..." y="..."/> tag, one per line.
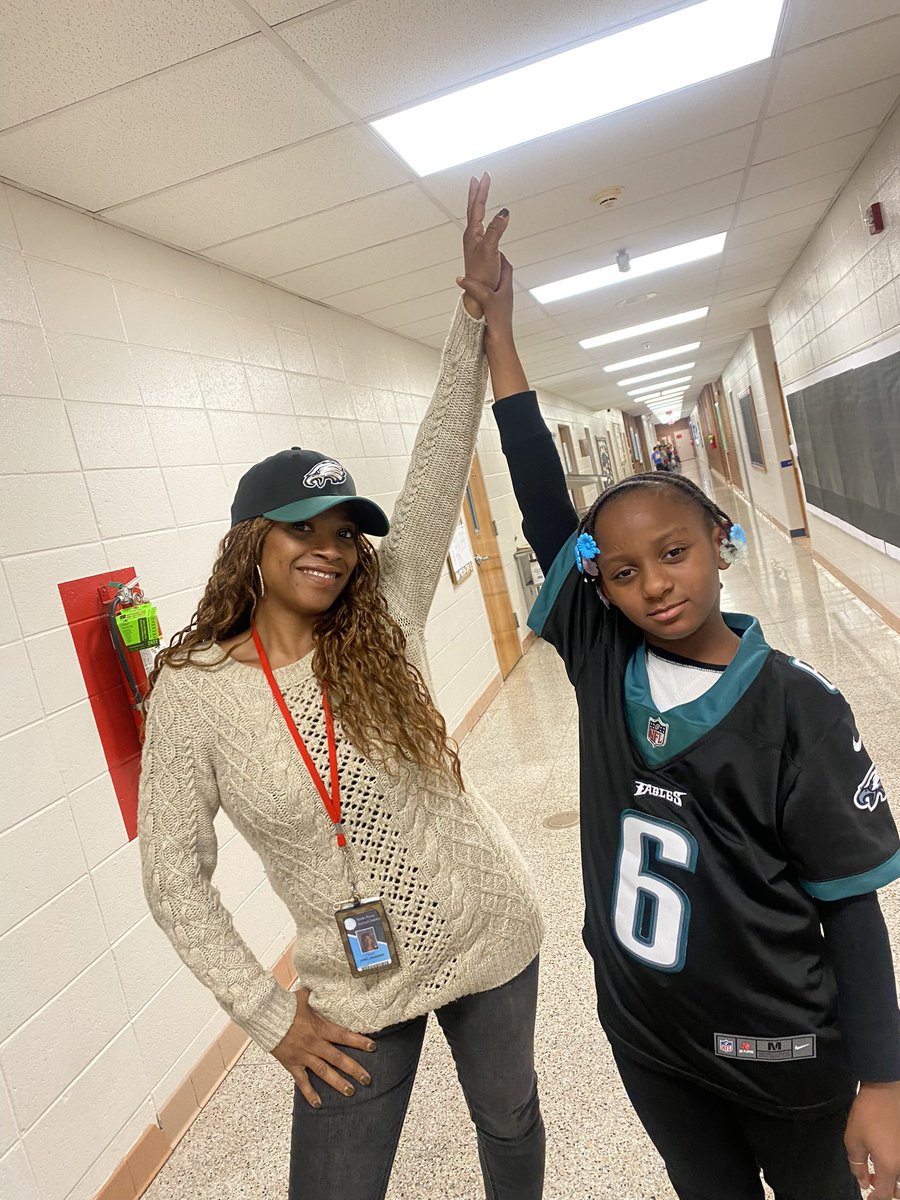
<point x="367" y="936"/>
<point x="766" y="1049"/>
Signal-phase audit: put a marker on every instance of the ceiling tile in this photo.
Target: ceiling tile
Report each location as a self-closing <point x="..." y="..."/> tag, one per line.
<point x="784" y="199"/>
<point x="283" y="10"/>
<point x="833" y="117"/>
<point x="817" y="19"/>
<point x="383" y="217"/>
<point x="675" y="180"/>
<point x="294" y="182"/>
<point x="587" y="244"/>
<point x="837" y="65"/>
<point x="841" y="154"/>
<point x="799" y="218"/>
<point x="391" y="315"/>
<point x="429" y="53"/>
<point x="57" y="52"/>
<point x="238" y="102"/>
<point x="377" y="263"/>
<point x="401" y="287"/>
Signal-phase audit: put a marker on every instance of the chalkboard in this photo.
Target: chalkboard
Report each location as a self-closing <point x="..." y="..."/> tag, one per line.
<point x="751" y="429"/>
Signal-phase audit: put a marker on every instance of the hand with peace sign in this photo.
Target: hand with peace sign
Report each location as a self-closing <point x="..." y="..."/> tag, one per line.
<point x="481" y="247"/>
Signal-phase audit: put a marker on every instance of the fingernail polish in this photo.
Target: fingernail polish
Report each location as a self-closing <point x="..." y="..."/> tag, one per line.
<point x="348" y="1091"/>
<point x="317" y="1103"/>
<point x="504" y="212"/>
<point x="366" y="1080"/>
<point x="372" y="1046"/>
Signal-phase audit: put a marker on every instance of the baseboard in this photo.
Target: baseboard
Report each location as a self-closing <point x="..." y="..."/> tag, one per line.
<point x="152" y="1150"/>
<point x="477" y="710"/>
<point x="887" y="615"/>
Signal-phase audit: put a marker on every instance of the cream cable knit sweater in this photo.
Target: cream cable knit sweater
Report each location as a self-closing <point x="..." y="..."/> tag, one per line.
<point x="455" y="886"/>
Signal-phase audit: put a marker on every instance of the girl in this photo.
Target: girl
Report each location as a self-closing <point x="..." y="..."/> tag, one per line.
<point x="298" y="702"/>
<point x="729" y="816"/>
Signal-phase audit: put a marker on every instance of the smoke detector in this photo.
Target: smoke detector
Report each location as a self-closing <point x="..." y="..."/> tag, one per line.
<point x="607" y="197"/>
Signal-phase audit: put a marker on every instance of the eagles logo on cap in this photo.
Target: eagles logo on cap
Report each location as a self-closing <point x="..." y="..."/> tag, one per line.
<point x="294" y="485"/>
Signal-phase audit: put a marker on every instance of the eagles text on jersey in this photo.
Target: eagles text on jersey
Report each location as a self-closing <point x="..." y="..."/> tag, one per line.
<point x="708" y="833"/>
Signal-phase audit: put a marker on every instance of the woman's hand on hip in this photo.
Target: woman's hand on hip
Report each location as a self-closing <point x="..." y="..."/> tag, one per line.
<point x="310" y="1046"/>
<point x="481" y="247"/>
<point x="872" y="1139"/>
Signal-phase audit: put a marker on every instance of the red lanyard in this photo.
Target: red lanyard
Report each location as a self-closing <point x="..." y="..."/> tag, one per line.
<point x="332" y="802"/>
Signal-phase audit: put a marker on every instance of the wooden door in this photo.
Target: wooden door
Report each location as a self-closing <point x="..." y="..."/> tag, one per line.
<point x="501" y="617"/>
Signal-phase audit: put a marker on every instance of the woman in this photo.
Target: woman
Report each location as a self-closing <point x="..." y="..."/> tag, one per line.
<point x="298" y="701"/>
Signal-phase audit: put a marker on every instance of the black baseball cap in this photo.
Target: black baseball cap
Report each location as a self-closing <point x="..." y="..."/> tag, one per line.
<point x="296" y="484"/>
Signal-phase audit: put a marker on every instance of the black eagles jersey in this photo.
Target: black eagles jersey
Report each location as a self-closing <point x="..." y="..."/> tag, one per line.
<point x="708" y="831"/>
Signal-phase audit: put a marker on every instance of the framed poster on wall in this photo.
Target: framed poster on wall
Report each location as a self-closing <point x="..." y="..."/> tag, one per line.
<point x="751" y="429"/>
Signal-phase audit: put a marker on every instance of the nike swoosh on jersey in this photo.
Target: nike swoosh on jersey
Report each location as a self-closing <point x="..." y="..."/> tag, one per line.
<point x="804" y="1046"/>
<point x="857" y="743"/>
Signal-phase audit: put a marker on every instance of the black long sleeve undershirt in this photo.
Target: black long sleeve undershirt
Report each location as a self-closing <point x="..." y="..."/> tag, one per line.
<point x="857" y="946"/>
<point x="548" y="516"/>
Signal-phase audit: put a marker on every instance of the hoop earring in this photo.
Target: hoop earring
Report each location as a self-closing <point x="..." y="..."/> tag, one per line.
<point x="262" y="582"/>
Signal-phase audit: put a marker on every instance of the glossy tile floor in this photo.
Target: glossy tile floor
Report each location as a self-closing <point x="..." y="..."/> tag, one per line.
<point x="522" y="758"/>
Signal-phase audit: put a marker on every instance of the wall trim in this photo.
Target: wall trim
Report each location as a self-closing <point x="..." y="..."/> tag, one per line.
<point x="873" y="352"/>
<point x="154" y="1147"/>
<point x="887" y="615"/>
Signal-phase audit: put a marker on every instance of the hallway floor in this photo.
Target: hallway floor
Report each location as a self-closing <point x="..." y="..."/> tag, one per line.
<point x="522" y="757"/>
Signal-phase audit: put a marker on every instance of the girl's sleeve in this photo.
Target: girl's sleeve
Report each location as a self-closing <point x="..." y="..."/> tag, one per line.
<point x="548" y="515"/>
<point x="568" y="612"/>
<point x="427" y="509"/>
<point x="858" y="949"/>
<point x="177" y="805"/>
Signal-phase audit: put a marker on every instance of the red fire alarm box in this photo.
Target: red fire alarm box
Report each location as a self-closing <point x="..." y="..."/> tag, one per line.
<point x="115" y="671"/>
<point x="875" y="218"/>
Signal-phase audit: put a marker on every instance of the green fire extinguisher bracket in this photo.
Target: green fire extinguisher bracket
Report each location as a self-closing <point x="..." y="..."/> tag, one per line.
<point x="138" y="626"/>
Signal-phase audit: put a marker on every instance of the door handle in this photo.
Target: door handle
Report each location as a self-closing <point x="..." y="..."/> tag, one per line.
<point x="480" y="558"/>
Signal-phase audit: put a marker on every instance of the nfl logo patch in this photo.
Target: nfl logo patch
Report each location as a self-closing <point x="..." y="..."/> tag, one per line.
<point x="726" y="1045"/>
<point x="657" y="732"/>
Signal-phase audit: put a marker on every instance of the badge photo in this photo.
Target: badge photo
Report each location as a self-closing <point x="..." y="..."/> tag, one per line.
<point x="366" y="935"/>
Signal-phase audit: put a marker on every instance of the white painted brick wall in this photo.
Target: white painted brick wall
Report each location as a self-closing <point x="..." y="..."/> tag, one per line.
<point x="842" y="293"/>
<point x="137" y="384"/>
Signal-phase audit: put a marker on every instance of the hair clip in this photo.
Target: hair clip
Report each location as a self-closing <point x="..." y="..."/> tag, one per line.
<point x="586" y="554"/>
<point x="734" y="546"/>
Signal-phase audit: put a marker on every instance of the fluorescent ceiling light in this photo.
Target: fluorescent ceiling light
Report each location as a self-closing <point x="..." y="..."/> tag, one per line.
<point x="655" y="387"/>
<point x="621" y="335"/>
<point x="590" y="81"/>
<point x="662" y="399"/>
<point x="656" y="374"/>
<point x="645" y="358"/>
<point x="645" y="264"/>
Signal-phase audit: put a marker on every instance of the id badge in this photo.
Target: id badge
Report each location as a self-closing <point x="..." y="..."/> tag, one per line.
<point x="367" y="937"/>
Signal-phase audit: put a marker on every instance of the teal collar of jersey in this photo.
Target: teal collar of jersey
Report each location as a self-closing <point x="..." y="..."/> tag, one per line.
<point x="674" y="731"/>
<point x="561" y="568"/>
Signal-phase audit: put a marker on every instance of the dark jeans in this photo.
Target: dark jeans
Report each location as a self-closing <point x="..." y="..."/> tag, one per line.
<point x="713" y="1147"/>
<point x="345" y="1149"/>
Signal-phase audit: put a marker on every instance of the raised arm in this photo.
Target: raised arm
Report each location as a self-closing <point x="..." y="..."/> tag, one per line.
<point x="427" y="510"/>
<point x="548" y="515"/>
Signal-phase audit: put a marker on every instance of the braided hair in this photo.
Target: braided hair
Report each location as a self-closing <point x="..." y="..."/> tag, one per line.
<point x="654" y="480"/>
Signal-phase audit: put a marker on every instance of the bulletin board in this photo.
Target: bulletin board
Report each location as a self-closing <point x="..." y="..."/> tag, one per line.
<point x="751" y="429"/>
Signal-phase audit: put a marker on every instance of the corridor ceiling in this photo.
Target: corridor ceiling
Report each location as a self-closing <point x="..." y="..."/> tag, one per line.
<point x="241" y="132"/>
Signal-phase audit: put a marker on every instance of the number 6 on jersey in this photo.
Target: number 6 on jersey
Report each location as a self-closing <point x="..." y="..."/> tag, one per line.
<point x="651" y="915"/>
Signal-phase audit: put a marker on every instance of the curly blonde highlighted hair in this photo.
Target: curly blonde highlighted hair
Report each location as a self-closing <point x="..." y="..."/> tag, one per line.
<point x="359" y="654"/>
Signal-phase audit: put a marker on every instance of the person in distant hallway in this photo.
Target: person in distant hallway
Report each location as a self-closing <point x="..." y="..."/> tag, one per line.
<point x="734" y="832"/>
<point x="298" y="702"/>
<point x="656" y="457"/>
